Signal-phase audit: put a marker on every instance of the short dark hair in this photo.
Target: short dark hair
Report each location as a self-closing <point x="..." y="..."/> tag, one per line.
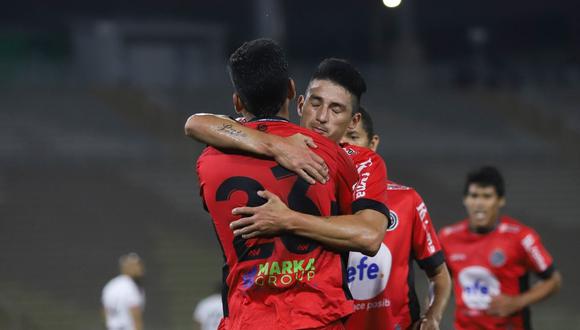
<point x="344" y="74"/>
<point x="367" y="122"/>
<point x="259" y="73"/>
<point x="485" y="176"/>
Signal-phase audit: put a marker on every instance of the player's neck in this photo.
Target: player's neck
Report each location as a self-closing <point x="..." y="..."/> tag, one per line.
<point x="283" y="114"/>
<point x="484" y="229"/>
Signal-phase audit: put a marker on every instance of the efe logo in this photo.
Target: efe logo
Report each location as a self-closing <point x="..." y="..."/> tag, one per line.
<point x="478" y="286"/>
<point x="371" y="272"/>
<point x="368" y="276"/>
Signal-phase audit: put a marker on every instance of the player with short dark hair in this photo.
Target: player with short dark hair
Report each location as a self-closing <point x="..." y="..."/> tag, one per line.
<point x="383" y="285"/>
<point x="343" y="74"/>
<point x="487" y="176"/>
<point x="123" y="297"/>
<point x="259" y="73"/>
<point x="286" y="281"/>
<point x="490" y="257"/>
<point x="364" y="133"/>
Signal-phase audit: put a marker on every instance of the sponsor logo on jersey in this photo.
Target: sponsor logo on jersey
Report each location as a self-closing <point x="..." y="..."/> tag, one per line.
<point x="361" y="166"/>
<point x="457" y="257"/>
<point x="508" y="228"/>
<point x="529" y="244"/>
<point x="361" y="186"/>
<point x="452" y="229"/>
<point x="478" y="286"/>
<point x="394" y="220"/>
<point x="422" y="210"/>
<point x="381" y="303"/>
<point x="392" y="186"/>
<point x="497" y="258"/>
<point x="280" y="274"/>
<point x="368" y="276"/>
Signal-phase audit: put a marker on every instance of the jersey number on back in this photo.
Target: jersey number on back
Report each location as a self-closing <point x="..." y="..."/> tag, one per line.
<point x="297" y="201"/>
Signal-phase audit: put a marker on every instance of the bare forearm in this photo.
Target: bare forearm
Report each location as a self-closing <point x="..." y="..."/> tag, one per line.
<point x="137" y="315"/>
<point x="361" y="233"/>
<point x="139" y="325"/>
<point x="225" y="133"/>
<point x="541" y="290"/>
<point x="441" y="283"/>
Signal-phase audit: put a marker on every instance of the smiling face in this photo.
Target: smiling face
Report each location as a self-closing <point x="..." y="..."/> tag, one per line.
<point x="483" y="205"/>
<point x="327" y="109"/>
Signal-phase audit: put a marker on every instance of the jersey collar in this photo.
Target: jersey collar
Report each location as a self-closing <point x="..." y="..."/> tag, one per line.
<point x="483" y="231"/>
<point x="269" y="119"/>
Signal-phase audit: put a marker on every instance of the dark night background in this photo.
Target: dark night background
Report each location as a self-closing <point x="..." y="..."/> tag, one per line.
<point x="93" y="161"/>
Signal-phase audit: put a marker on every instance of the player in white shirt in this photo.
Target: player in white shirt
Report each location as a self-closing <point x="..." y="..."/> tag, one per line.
<point x="123" y="297"/>
<point x="209" y="312"/>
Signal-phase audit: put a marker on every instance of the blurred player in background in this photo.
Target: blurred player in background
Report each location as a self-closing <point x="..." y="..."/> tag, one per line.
<point x="123" y="297"/>
<point x="383" y="285"/>
<point x="490" y="257"/>
<point x="285" y="282"/>
<point x="209" y="311"/>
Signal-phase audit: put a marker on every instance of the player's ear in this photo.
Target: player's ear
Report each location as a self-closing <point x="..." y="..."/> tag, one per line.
<point x="374" y="143"/>
<point x="300" y="105"/>
<point x="238" y="104"/>
<point x="354" y="120"/>
<point x="502" y="202"/>
<point x="291" y="89"/>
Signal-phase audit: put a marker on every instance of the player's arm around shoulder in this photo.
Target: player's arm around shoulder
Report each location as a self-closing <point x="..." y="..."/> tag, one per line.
<point x="362" y="232"/>
<point x="292" y="152"/>
<point x="370" y="198"/>
<point x="223" y="132"/>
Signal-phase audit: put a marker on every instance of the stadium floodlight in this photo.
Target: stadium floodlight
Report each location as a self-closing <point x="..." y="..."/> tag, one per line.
<point x="392" y="3"/>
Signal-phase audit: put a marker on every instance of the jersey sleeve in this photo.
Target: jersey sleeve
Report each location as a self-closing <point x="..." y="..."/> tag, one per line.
<point x="199" y="311"/>
<point x="133" y="297"/>
<point x="202" y="181"/>
<point x="346" y="177"/>
<point x="536" y="256"/>
<point x="426" y="247"/>
<point x="370" y="191"/>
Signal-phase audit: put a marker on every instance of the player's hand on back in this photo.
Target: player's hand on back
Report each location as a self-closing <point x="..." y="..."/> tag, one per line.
<point x="294" y="153"/>
<point x="262" y="221"/>
<point x="503" y="305"/>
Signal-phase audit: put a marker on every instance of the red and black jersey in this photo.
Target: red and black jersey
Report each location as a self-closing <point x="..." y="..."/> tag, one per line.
<point x="485" y="265"/>
<point x="383" y="286"/>
<point x="286" y="282"/>
<point x="370" y="191"/>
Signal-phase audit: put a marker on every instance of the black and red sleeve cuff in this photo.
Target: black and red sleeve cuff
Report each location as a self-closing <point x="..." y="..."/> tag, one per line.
<point x="546" y="274"/>
<point x="430" y="263"/>
<point x="364" y="203"/>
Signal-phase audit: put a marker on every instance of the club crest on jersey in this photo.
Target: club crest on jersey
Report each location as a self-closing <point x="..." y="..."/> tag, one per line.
<point x="349" y="151"/>
<point x="393" y="220"/>
<point x="497" y="258"/>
